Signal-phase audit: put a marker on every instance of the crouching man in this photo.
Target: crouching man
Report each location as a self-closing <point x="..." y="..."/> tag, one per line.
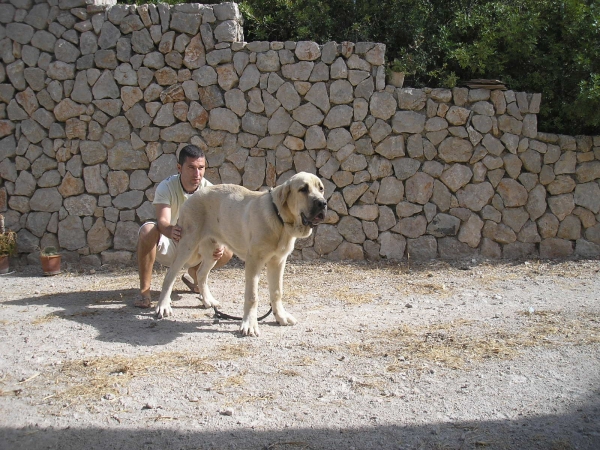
<point x="157" y="241"/>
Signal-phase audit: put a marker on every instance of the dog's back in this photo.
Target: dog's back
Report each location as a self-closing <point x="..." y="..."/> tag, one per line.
<point x="230" y="215"/>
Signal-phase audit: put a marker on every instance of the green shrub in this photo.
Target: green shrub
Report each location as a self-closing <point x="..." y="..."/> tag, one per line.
<point x="546" y="46"/>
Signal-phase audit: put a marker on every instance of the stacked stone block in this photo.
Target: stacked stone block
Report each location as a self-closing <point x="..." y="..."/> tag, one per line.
<point x="96" y="100"/>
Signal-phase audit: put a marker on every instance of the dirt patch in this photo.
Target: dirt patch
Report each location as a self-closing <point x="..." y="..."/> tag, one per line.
<point x="440" y="355"/>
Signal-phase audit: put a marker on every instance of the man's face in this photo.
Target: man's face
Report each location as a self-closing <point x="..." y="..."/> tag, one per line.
<point x="192" y="172"/>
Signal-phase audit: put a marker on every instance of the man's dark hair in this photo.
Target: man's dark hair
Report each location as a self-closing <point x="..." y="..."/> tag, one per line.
<point x="190" y="151"/>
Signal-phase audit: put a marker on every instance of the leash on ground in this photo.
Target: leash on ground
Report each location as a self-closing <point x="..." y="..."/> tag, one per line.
<point x="219" y="315"/>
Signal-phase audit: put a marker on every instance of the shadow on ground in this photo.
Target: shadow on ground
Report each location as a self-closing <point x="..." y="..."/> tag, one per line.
<point x="577" y="430"/>
<point x="121" y="322"/>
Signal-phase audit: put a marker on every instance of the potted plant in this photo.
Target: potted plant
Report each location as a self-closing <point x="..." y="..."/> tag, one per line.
<point x="395" y="74"/>
<point x="8" y="245"/>
<point x="50" y="259"/>
<point x="405" y="64"/>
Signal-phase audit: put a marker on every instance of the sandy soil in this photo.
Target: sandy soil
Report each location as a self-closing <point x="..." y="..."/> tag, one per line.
<point x="434" y="356"/>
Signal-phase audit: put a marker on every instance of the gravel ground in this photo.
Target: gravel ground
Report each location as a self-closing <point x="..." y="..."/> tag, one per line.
<point x="433" y="356"/>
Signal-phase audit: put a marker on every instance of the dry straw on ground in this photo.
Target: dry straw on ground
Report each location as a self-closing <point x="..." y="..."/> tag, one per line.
<point x="94" y="378"/>
<point x="458" y="343"/>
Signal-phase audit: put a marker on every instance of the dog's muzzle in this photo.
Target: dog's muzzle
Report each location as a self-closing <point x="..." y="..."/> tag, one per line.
<point x="317" y="214"/>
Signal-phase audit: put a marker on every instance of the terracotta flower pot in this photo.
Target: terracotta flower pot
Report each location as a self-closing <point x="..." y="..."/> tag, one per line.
<point x="50" y="264"/>
<point x="396" y="79"/>
<point x="3" y="264"/>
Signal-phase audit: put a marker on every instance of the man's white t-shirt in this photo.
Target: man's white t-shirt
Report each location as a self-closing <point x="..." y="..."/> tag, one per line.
<point x="170" y="192"/>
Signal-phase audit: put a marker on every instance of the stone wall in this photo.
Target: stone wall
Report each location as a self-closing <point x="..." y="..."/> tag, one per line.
<point x="95" y="101"/>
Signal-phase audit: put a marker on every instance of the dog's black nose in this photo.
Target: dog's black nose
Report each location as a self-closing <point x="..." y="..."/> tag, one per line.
<point x="322" y="203"/>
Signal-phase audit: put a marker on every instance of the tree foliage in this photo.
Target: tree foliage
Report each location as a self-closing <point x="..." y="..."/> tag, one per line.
<point x="547" y="46"/>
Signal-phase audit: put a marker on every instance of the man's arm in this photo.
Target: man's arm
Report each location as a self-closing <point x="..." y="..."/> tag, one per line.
<point x="163" y="219"/>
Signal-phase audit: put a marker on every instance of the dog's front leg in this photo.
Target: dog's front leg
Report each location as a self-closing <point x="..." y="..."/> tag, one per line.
<point x="163" y="308"/>
<point x="184" y="251"/>
<point x="249" y="325"/>
<point x="275" y="269"/>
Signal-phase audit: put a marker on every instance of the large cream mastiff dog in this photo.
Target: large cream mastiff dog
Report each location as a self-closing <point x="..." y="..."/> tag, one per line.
<point x="259" y="227"/>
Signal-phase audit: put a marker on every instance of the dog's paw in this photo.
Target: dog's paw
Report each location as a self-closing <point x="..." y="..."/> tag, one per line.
<point x="286" y="319"/>
<point x="209" y="301"/>
<point x="250" y="328"/>
<point x="163" y="310"/>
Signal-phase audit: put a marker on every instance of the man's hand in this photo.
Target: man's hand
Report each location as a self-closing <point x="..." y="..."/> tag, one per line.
<point x="163" y="219"/>
<point x="218" y="253"/>
<point x="175" y="232"/>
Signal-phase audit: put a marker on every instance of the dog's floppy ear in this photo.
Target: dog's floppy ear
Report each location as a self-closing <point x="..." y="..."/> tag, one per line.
<point x="280" y="195"/>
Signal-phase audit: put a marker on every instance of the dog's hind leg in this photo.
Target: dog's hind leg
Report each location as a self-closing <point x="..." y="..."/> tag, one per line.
<point x="185" y="249"/>
<point x="275" y="269"/>
<point x="206" y="249"/>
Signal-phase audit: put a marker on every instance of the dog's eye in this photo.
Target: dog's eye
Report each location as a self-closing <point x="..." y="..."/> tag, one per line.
<point x="304" y="189"/>
<point x="321" y="188"/>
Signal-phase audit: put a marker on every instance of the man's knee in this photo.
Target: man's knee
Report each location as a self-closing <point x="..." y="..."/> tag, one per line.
<point x="148" y="235"/>
<point x="148" y="229"/>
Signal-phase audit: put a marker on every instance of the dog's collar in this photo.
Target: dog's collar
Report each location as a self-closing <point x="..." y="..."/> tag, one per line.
<point x="275" y="206"/>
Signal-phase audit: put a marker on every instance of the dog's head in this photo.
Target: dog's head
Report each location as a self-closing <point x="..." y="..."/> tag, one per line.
<point x="300" y="200"/>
